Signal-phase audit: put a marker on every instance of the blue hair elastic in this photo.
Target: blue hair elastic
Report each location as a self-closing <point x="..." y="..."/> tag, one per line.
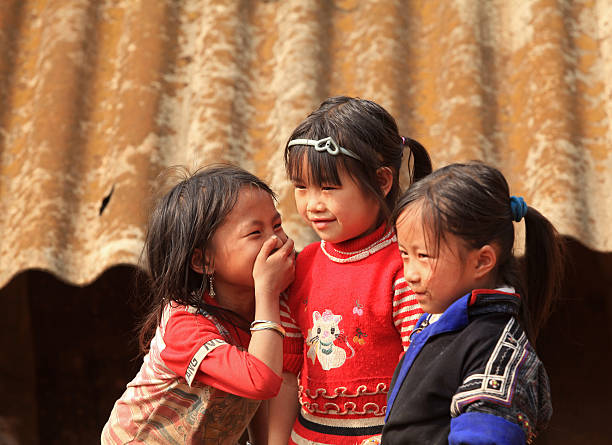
<point x="519" y="208"/>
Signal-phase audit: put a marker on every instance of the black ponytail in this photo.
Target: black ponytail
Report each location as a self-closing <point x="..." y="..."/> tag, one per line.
<point x="543" y="271"/>
<point x="421" y="162"/>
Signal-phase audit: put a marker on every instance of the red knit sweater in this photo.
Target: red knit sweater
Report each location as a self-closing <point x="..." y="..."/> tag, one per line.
<point x="348" y="316"/>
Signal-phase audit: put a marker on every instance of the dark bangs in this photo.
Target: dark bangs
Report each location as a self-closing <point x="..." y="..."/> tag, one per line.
<point x="441" y="204"/>
<point x="420" y="200"/>
<point x="322" y="167"/>
<point x="469" y="201"/>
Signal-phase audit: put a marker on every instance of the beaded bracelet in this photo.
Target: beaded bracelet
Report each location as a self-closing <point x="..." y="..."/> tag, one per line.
<point x="262" y="325"/>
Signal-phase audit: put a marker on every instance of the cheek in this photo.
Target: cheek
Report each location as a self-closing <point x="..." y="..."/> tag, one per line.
<point x="254" y="250"/>
<point x="434" y="278"/>
<point x="300" y="202"/>
<point x="405" y="270"/>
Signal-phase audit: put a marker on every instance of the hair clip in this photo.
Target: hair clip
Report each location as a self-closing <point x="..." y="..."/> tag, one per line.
<point x="326" y="144"/>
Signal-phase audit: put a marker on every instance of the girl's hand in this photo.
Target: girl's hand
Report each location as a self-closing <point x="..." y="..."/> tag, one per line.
<point x="274" y="267"/>
<point x="273" y="271"/>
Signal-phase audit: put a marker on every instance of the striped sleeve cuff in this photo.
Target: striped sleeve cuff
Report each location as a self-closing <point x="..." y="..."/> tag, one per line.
<point x="406" y="310"/>
<point x="293" y="345"/>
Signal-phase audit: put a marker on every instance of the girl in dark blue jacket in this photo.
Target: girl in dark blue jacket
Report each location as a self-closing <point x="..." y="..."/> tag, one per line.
<point x="471" y="374"/>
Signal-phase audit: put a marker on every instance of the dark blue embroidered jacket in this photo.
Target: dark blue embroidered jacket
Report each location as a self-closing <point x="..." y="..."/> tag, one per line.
<point x="471" y="377"/>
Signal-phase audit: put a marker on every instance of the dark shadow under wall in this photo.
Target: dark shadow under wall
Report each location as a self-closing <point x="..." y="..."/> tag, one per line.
<point x="83" y="351"/>
<point x="68" y="352"/>
<point x="576" y="348"/>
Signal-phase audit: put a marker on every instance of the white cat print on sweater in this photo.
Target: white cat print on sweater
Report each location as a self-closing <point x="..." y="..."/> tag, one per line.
<point x="324" y="332"/>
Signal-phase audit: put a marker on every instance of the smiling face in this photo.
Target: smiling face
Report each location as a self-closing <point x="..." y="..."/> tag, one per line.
<point x="238" y="240"/>
<point x="336" y="212"/>
<point x="438" y="278"/>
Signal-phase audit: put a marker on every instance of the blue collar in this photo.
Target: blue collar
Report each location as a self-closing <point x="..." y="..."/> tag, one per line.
<point x="455" y="318"/>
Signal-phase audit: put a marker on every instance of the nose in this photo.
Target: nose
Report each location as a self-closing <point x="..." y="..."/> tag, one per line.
<point x="314" y="203"/>
<point x="273" y="230"/>
<point x="411" y="274"/>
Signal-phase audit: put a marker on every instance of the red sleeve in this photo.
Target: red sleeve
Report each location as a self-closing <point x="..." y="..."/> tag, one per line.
<point x="293" y="345"/>
<point x="406" y="309"/>
<point x="196" y="350"/>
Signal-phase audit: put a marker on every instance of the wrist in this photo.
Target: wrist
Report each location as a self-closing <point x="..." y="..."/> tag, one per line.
<point x="266" y="290"/>
<point x="266" y="297"/>
<point x="267" y="310"/>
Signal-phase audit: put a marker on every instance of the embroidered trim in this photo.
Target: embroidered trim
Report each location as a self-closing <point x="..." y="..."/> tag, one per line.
<point x="381" y="388"/>
<point x="387" y="239"/>
<point x="497" y="382"/>
<point x="349" y="408"/>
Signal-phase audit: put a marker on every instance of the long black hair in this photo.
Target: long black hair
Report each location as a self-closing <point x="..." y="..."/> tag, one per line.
<point x="185" y="219"/>
<point x="472" y="202"/>
<point x="366" y="129"/>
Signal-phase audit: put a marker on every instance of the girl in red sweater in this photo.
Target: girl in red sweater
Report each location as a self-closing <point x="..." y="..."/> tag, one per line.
<point x="217" y="259"/>
<point x="349" y="313"/>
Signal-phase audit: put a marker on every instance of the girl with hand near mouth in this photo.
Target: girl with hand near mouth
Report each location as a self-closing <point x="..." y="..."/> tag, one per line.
<point x="217" y="260"/>
<point x="349" y="313"/>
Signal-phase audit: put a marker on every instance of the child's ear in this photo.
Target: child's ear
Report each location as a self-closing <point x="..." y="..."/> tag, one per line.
<point x="385" y="179"/>
<point x="197" y="261"/>
<point x="485" y="260"/>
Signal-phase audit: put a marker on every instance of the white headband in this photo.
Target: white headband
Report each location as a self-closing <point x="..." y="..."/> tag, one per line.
<point x="326" y="144"/>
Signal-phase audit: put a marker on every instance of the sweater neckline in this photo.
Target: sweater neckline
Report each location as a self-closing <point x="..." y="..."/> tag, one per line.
<point x="360" y="248"/>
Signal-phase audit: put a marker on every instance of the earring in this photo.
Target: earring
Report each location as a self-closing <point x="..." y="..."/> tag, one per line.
<point x="211" y="287"/>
